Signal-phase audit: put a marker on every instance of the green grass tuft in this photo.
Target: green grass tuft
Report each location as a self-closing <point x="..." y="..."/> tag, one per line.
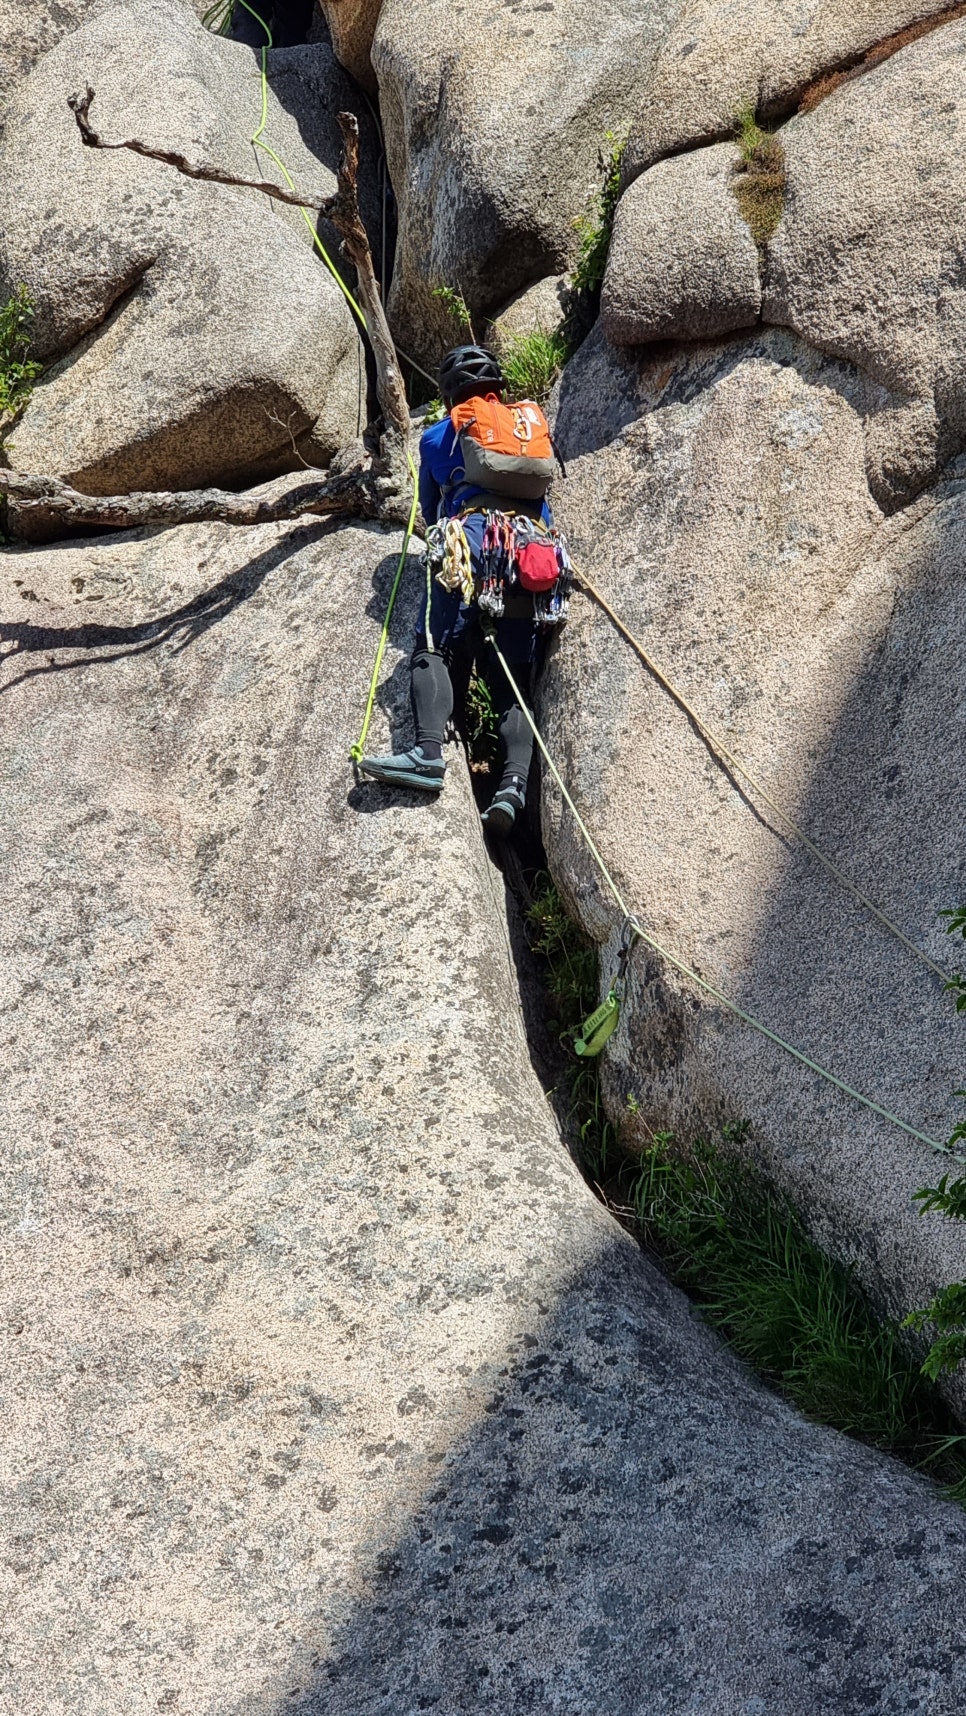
<point x="18" y="371"/>
<point x="759" y="185"/>
<point x="532" y="362"/>
<point x="596" y="226"/>
<point x="793" y="1313"/>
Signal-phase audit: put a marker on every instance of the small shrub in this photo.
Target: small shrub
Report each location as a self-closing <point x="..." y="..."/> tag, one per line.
<point x="531" y="363"/>
<point x="18" y="371"/>
<point x="482" y="721"/>
<point x="596" y="226"/>
<point x="453" y="301"/>
<point x="759" y="185"/>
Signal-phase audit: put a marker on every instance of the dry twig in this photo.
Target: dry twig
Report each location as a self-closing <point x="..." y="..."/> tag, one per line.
<point x="80" y="106"/>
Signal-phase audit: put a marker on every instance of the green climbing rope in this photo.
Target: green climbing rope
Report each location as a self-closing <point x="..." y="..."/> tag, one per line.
<point x="356" y="751"/>
<point x="687" y="970"/>
<point x="258" y="142"/>
<point x="257" y="139"/>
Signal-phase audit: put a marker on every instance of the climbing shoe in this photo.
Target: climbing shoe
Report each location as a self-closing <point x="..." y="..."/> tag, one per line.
<point x="506" y="807"/>
<point x="407" y="769"/>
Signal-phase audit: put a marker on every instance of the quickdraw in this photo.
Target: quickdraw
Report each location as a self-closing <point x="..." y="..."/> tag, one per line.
<point x="602" y="1023"/>
<point x="503" y="540"/>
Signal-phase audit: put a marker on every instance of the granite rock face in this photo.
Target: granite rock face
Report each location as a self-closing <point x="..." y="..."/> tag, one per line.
<point x="867" y="261"/>
<point x="682" y="262"/>
<point x="719" y="498"/>
<point x="29" y="27"/>
<point x="329" y="1385"/>
<point x="724" y="53"/>
<point x="190" y="332"/>
<point x="353" y="25"/>
<point x="491" y="171"/>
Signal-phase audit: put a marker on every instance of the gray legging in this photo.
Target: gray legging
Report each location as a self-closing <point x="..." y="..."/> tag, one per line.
<point x="438" y="675"/>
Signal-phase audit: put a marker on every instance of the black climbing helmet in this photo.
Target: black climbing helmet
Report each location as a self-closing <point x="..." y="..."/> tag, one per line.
<point x="467" y="370"/>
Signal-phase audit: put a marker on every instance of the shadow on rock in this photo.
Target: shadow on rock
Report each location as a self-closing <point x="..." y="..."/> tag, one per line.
<point x="634" y="1523"/>
<point x="181" y="628"/>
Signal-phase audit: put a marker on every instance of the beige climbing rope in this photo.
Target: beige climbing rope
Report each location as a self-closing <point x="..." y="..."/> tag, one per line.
<point x="717" y="744"/>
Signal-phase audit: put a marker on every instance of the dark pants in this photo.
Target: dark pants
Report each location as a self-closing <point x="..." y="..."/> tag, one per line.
<point x="288" y="20"/>
<point x="441" y="675"/>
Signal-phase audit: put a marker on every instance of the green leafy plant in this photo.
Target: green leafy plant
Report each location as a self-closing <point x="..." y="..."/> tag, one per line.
<point x="945" y="1315"/>
<point x="453" y="301"/>
<point x="18" y="371"/>
<point x="482" y="721"/>
<point x="759" y="185"/>
<point x="596" y="226"/>
<point x="532" y="362"/>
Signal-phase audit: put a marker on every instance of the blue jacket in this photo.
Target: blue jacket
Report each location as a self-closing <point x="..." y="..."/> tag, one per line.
<point x="442" y="488"/>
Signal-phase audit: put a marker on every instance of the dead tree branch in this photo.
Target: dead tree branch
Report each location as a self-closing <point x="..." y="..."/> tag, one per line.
<point x="343" y="212"/>
<point x="80" y="108"/>
<point x="380" y="490"/>
<point x="361" y="493"/>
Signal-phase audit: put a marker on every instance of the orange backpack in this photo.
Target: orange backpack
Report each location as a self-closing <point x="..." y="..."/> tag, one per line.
<point x="506" y="448"/>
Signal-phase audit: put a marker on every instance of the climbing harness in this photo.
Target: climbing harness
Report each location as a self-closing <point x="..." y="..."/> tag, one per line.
<point x="595" y="1031"/>
<point x="687" y="970"/>
<point x="717" y="744"/>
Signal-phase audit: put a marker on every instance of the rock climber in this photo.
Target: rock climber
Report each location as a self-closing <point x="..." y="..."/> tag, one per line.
<point x="288" y="21"/>
<point x="449" y="635"/>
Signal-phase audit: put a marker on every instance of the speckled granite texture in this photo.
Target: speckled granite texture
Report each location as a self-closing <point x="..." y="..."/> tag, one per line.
<point x="328" y="1385"/>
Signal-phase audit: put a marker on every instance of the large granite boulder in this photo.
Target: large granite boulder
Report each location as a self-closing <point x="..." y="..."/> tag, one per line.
<point x="190" y="333"/>
<point x="718" y="496"/>
<point x="682" y="263"/>
<point x="864" y="263"/>
<point x="723" y="54"/>
<point x="29" y="27"/>
<point x="352" y="24"/>
<point x="495" y="117"/>
<point x="329" y="1386"/>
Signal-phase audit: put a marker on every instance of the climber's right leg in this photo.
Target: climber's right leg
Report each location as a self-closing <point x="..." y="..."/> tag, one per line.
<point x="423" y="767"/>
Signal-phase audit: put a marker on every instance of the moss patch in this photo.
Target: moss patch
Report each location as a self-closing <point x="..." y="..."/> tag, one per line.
<point x="829" y="82"/>
<point x="759" y="185"/>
